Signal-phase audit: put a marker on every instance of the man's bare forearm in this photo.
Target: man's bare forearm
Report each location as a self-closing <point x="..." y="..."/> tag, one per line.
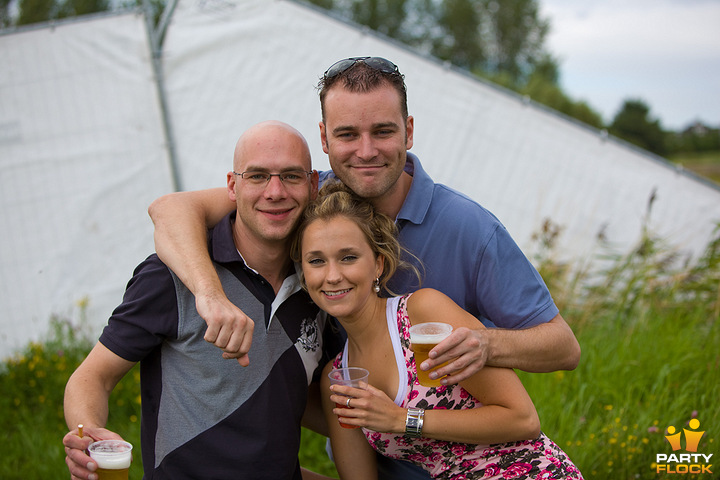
<point x="543" y="348"/>
<point x="88" y="388"/>
<point x="181" y="221"/>
<point x="85" y="405"/>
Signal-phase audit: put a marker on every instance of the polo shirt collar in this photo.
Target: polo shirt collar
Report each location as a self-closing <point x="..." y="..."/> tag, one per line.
<point x="225" y="251"/>
<point x="290" y="285"/>
<point x="417" y="202"/>
<point x="223" y="244"/>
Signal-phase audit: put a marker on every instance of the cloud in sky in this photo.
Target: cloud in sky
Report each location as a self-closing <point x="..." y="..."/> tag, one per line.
<point x="665" y="52"/>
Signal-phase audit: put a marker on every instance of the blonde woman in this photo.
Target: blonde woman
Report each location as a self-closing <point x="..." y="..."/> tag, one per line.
<point x="485" y="427"/>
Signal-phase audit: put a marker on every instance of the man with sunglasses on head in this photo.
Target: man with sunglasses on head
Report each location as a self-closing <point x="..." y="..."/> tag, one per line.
<point x="202" y="416"/>
<point x="464" y="251"/>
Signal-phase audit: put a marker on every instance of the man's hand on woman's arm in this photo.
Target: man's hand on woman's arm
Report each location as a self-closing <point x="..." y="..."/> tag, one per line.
<point x="546" y="347"/>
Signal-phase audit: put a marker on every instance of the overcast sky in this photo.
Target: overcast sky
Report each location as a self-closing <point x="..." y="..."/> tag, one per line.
<point x="665" y="52"/>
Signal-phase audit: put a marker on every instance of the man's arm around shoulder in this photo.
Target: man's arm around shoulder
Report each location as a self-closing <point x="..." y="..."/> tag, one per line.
<point x="181" y="220"/>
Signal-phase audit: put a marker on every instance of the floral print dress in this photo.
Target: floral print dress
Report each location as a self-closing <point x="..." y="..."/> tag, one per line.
<point x="539" y="458"/>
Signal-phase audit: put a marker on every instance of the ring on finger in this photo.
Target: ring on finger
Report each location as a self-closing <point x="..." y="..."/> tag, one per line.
<point x="347" y="404"/>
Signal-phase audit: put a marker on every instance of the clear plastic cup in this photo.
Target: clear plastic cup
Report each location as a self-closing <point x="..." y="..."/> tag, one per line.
<point x="423" y="338"/>
<point x="113" y="458"/>
<point x="352" y="377"/>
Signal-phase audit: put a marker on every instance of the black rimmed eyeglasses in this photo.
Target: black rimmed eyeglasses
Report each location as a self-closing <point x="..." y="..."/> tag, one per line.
<point x="376" y="63"/>
<point x="260" y="178"/>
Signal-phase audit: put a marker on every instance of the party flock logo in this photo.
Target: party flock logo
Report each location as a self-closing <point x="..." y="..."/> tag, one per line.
<point x="684" y="463"/>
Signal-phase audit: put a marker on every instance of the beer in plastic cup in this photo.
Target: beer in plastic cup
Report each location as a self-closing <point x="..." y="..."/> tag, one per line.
<point x="352" y="377"/>
<point x="423" y="338"/>
<point x="113" y="458"/>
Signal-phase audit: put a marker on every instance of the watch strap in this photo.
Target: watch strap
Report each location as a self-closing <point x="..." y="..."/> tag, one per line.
<point x="414" y="422"/>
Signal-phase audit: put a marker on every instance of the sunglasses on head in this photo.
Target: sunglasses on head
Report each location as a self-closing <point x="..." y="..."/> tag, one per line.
<point x="376" y="63"/>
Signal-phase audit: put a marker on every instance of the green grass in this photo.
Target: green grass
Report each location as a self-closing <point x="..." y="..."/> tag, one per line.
<point x="706" y="164"/>
<point x="651" y="359"/>
<point x="637" y="376"/>
<point x="31" y="411"/>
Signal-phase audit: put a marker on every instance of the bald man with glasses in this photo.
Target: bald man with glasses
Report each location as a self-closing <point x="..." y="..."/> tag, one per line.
<point x="203" y="416"/>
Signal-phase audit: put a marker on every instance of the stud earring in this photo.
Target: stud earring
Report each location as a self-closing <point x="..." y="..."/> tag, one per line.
<point x="376" y="285"/>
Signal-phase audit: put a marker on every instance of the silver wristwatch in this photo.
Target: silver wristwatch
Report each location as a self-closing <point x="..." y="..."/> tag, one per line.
<point x="414" y="422"/>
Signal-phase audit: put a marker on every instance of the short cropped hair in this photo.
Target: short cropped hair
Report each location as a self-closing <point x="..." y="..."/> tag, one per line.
<point x="362" y="78"/>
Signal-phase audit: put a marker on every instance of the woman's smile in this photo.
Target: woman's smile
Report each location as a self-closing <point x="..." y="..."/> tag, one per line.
<point x="339" y="266"/>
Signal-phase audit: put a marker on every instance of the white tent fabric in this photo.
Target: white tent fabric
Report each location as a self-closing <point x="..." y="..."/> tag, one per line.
<point x="83" y="151"/>
<point x="231" y="63"/>
<point x="82" y="154"/>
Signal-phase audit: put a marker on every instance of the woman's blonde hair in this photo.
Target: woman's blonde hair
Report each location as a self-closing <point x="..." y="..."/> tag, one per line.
<point x="337" y="200"/>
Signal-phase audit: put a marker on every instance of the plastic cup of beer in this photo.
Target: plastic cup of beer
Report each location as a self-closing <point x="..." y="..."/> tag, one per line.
<point x="351" y="377"/>
<point x="423" y="338"/>
<point x="113" y="458"/>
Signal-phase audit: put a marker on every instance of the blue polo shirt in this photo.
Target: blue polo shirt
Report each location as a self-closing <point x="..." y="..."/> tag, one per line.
<point x="466" y="253"/>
